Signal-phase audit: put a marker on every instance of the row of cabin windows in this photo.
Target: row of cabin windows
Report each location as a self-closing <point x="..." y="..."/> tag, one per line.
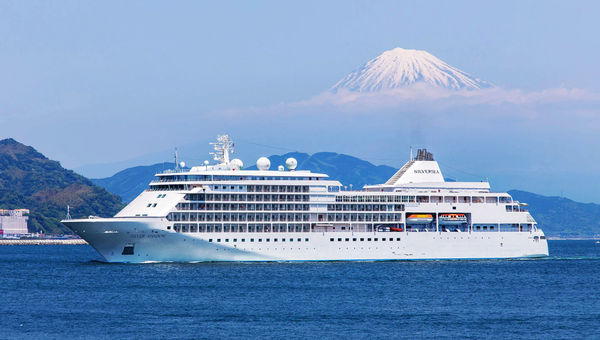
<point x="360" y="217"/>
<point x="169" y="187"/>
<point x="365" y="207"/>
<point x="516" y="208"/>
<point x="236" y="217"/>
<point x="242" y="207"/>
<point x="422" y="199"/>
<point x="240" y="228"/>
<point x="208" y="178"/>
<point x="260" y="240"/>
<point x="362" y="239"/>
<point x="277" y="188"/>
<point x="363" y="217"/>
<point x="246" y="197"/>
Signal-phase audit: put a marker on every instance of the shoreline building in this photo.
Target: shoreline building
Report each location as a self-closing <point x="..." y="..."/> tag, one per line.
<point x="13" y="222"/>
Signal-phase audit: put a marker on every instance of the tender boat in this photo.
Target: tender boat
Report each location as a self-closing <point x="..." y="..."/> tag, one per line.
<point x="452" y="219"/>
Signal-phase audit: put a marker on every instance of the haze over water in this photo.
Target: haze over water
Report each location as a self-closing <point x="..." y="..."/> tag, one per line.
<point x="63" y="292"/>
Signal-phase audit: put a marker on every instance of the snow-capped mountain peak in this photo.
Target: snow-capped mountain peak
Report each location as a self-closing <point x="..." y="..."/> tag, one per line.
<point x="400" y="68"/>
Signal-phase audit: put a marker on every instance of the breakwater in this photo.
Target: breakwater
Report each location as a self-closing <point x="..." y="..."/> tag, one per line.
<point x="35" y="242"/>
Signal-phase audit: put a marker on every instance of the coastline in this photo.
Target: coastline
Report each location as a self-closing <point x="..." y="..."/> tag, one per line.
<point x="42" y="242"/>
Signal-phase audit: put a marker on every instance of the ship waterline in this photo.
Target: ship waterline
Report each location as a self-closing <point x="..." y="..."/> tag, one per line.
<point x="224" y="213"/>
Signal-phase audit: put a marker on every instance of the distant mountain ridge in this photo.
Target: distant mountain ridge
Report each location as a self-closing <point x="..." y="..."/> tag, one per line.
<point x="30" y="180"/>
<point x="130" y="182"/>
<point x="562" y="217"/>
<point x="402" y="68"/>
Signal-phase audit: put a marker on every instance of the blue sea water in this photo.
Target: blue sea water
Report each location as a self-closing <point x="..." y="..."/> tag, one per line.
<point x="63" y="292"/>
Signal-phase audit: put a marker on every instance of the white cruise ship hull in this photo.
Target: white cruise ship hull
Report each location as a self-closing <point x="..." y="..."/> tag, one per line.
<point x="139" y="240"/>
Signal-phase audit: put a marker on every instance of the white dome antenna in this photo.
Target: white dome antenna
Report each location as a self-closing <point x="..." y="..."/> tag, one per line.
<point x="182" y="164"/>
<point x="280" y="168"/>
<point x="263" y="163"/>
<point x="291" y="163"/>
<point x="237" y="163"/>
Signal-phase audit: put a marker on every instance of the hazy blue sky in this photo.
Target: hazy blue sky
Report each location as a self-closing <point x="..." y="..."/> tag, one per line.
<point x="98" y="82"/>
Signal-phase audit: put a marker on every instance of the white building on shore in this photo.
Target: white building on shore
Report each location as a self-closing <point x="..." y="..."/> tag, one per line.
<point x="13" y="222"/>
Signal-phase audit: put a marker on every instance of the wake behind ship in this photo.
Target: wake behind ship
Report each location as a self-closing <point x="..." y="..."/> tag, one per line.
<point x="221" y="212"/>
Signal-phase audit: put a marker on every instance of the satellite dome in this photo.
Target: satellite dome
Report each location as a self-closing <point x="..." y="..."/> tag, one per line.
<point x="206" y="162"/>
<point x="182" y="164"/>
<point x="263" y="163"/>
<point x="237" y="163"/>
<point x="280" y="168"/>
<point x="291" y="163"/>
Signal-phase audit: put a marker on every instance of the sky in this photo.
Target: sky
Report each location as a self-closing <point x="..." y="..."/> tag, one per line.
<point x="123" y="83"/>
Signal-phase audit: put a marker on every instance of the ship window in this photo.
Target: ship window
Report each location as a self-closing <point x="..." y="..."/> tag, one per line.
<point x="226" y="240"/>
<point x="268" y="240"/>
<point x="299" y="240"/>
<point x="305" y="240"/>
<point x="347" y="239"/>
<point x="149" y="204"/>
<point x="383" y="239"/>
<point x="362" y="239"/>
<point x="354" y="239"/>
<point x="339" y="239"/>
<point x="210" y="240"/>
<point x="375" y="239"/>
<point x="398" y="239"/>
<point x="218" y="240"/>
<point x="369" y="239"/>
<point x="291" y="240"/>
<point x="260" y="240"/>
<point x="158" y="196"/>
<point x="243" y="240"/>
<point x="153" y="205"/>
<point x="274" y="240"/>
<point x="168" y="227"/>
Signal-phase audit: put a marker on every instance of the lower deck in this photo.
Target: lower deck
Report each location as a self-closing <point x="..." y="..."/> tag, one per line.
<point x="145" y="241"/>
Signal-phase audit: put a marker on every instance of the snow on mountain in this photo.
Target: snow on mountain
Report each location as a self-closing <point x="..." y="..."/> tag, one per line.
<point x="401" y="68"/>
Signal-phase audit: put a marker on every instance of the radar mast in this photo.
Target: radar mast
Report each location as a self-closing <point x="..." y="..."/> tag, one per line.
<point x="223" y="147"/>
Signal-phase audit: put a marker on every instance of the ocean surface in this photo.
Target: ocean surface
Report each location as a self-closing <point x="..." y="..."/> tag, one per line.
<point x="64" y="292"/>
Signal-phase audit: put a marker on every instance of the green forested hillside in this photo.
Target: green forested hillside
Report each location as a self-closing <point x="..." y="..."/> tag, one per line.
<point x="30" y="180"/>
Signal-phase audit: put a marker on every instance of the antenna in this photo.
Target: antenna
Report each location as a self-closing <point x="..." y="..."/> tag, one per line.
<point x="176" y="160"/>
<point x="411" y="154"/>
<point x="68" y="217"/>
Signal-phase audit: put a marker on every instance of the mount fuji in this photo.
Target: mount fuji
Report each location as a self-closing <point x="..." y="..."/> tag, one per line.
<point x="403" y="68"/>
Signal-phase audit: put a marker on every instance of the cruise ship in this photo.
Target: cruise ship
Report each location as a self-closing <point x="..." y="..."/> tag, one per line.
<point x="221" y="212"/>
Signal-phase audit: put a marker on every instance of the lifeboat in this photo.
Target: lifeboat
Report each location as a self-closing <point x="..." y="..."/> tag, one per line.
<point x="452" y="219"/>
<point x="419" y="219"/>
